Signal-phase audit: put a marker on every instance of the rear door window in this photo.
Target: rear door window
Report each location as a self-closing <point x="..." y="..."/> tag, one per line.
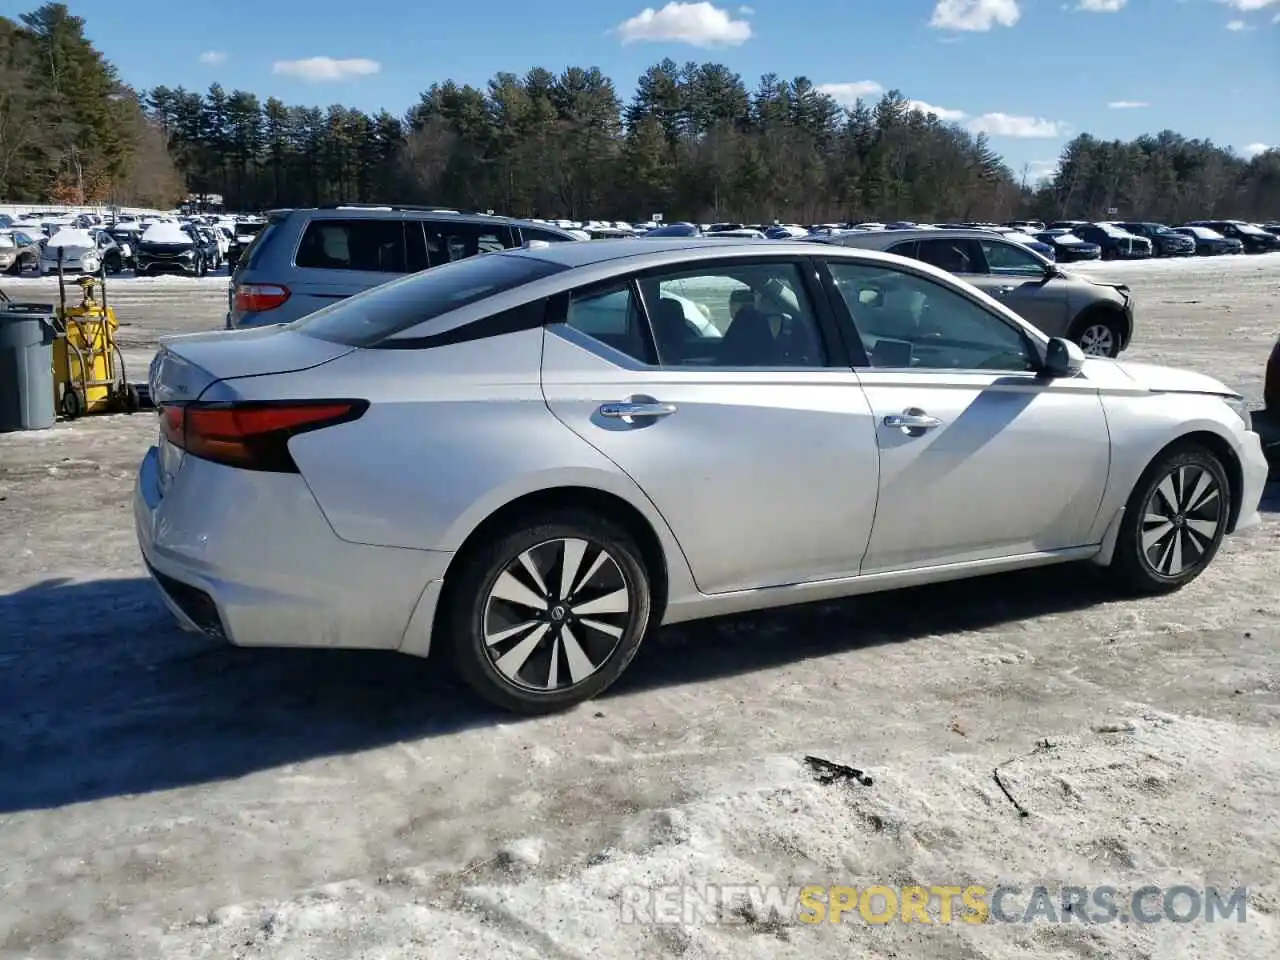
<point x="253" y="252"/>
<point x="954" y="255"/>
<point x="375" y="246"/>
<point x="449" y="241"/>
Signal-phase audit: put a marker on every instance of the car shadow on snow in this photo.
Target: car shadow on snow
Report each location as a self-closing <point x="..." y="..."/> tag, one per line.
<point x="104" y="696"/>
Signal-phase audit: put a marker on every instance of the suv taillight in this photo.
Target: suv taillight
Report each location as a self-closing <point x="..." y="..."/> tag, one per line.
<point x="1271" y="387"/>
<point x="252" y="436"/>
<point x="258" y="297"/>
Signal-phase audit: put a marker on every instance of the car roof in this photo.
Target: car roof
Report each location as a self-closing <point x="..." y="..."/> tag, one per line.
<point x="889" y="237"/>
<point x="640" y="253"/>
<point x="357" y="212"/>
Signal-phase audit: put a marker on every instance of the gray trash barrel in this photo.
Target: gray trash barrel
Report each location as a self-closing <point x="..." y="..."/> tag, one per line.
<point x="26" y="366"/>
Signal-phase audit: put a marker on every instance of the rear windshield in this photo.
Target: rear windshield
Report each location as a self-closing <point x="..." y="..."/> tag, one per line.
<point x="372" y="316"/>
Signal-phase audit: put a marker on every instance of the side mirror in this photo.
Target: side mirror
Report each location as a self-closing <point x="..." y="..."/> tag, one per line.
<point x="1063" y="358"/>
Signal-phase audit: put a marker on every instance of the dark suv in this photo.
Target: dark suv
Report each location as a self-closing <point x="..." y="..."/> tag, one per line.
<point x="304" y="260"/>
<point x="1165" y="241"/>
<point x="1254" y="239"/>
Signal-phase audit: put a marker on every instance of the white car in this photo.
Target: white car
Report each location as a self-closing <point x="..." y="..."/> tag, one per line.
<point x="76" y="251"/>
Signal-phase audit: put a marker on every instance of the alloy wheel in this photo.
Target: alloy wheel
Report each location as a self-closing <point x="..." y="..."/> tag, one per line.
<point x="1098" y="340"/>
<point x="556" y="614"/>
<point x="1181" y="521"/>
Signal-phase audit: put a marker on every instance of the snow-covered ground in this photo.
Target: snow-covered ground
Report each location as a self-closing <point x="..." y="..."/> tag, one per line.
<point x="164" y="797"/>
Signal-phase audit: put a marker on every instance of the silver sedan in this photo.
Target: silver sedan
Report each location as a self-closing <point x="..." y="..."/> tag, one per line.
<point x="530" y="459"/>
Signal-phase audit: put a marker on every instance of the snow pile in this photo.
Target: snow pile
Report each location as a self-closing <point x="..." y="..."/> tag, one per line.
<point x="72" y="239"/>
<point x="1141" y="800"/>
<point x="162" y="232"/>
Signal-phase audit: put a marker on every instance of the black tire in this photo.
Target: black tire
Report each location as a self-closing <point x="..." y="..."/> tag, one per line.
<point x="72" y="405"/>
<point x="129" y="400"/>
<point x="1087" y="334"/>
<point x="1150" y="569"/>
<point x="471" y="609"/>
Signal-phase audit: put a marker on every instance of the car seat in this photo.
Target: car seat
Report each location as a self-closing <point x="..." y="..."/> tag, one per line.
<point x="749" y="341"/>
<point x="672" y="331"/>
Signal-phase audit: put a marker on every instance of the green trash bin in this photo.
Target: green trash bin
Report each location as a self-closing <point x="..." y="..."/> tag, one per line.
<point x="27" y="333"/>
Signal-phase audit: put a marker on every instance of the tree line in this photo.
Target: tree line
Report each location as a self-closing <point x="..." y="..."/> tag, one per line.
<point x="693" y="141"/>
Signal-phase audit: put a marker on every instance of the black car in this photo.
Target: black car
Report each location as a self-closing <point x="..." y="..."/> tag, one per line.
<point x="168" y="248"/>
<point x="1116" y="242"/>
<point x="207" y="244"/>
<point x="1253" y="239"/>
<point x="1209" y="242"/>
<point x="245" y="234"/>
<point x="126" y="239"/>
<point x="1067" y="247"/>
<point x="1165" y="241"/>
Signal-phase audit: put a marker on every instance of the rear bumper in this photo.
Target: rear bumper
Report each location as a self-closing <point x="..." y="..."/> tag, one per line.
<point x="249" y="558"/>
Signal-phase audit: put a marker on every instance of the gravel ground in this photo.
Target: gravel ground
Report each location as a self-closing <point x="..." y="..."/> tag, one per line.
<point x="164" y="797"/>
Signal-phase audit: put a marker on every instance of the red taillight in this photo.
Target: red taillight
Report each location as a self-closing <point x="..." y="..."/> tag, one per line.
<point x="258" y="297"/>
<point x="252" y="436"/>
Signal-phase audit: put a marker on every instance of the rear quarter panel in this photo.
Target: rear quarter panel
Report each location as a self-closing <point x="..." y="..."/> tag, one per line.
<point x="452" y="434"/>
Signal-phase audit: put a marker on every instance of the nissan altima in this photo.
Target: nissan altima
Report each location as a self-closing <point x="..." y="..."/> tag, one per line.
<point x="528" y="460"/>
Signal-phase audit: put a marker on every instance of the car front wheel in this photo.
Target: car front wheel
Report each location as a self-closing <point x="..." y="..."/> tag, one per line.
<point x="1174" y="522"/>
<point x="1099" y="336"/>
<point x="549" y="614"/>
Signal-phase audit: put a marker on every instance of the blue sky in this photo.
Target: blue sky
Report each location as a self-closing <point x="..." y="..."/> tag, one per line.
<point x="1030" y="72"/>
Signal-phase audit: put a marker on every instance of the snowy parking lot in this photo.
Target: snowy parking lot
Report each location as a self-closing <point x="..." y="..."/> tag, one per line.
<point x="165" y="797"/>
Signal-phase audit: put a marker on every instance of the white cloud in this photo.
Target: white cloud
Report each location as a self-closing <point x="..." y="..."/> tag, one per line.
<point x="1101" y="6"/>
<point x="1042" y="169"/>
<point x="847" y="94"/>
<point x="1237" y="25"/>
<point x="1005" y="125"/>
<point x="696" y="24"/>
<point x="1127" y="104"/>
<point x="975" y="16"/>
<point x="942" y="113"/>
<point x="1255" y="149"/>
<point x="213" y="57"/>
<point x="746" y="11"/>
<point x="1244" y="6"/>
<point x="322" y="69"/>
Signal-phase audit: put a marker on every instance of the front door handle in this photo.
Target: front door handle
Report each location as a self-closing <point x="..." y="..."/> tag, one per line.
<point x="1005" y="291"/>
<point x="629" y="410"/>
<point x="912" y="422"/>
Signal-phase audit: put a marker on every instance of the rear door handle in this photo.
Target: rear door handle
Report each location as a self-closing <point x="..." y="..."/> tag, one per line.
<point x="636" y="410"/>
<point x="912" y="422"/>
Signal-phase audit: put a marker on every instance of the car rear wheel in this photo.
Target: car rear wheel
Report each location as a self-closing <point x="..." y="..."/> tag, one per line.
<point x="549" y="614"/>
<point x="1175" y="520"/>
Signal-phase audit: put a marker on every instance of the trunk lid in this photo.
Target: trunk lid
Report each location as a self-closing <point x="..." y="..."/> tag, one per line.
<point x="186" y="366"/>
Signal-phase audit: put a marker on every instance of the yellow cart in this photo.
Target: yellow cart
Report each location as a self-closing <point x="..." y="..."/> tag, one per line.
<point x="88" y="368"/>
